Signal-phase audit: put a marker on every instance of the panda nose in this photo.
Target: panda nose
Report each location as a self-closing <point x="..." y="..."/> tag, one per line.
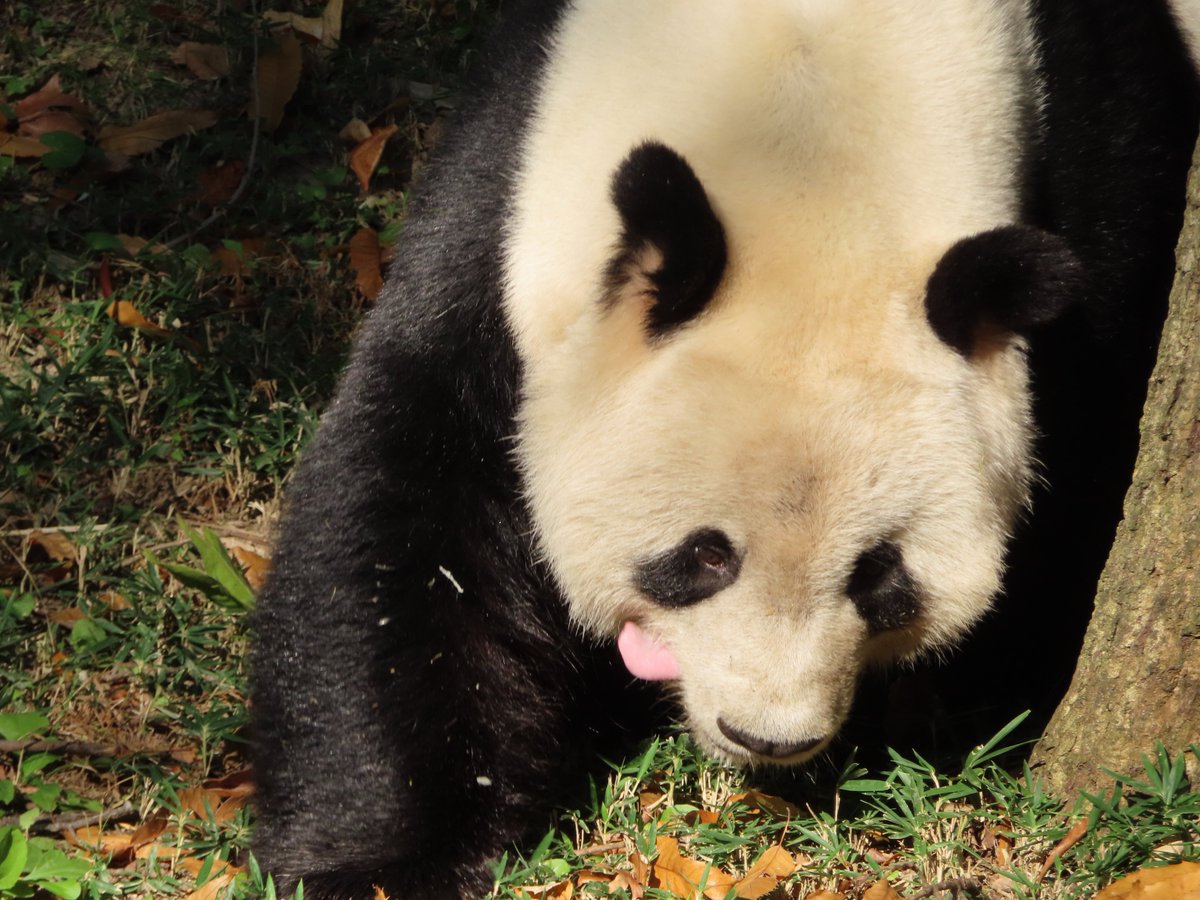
<point x="761" y="747"/>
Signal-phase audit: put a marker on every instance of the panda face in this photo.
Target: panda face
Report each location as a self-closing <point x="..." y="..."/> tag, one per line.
<point x="775" y="417"/>
<point x="773" y="528"/>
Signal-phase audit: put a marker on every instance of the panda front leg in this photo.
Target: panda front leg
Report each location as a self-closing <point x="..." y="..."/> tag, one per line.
<point x="414" y="674"/>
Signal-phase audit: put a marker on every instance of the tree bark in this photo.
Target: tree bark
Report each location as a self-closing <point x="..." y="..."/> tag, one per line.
<point x="1138" y="677"/>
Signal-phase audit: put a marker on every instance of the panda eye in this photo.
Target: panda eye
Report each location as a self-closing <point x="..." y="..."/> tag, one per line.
<point x="702" y="564"/>
<point x="711" y="556"/>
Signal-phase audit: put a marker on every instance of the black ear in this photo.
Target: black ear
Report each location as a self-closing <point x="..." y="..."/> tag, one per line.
<point x="667" y="219"/>
<point x="1010" y="280"/>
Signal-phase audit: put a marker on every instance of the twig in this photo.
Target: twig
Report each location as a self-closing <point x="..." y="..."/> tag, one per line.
<point x="58" y="824"/>
<point x="79" y="748"/>
<point x="899" y="865"/>
<point x="52" y="529"/>
<point x="1078" y="830"/>
<point x="965" y="885"/>
<point x="67" y="748"/>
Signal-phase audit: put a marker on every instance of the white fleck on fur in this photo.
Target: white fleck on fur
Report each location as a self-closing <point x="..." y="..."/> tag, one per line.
<point x="810" y="411"/>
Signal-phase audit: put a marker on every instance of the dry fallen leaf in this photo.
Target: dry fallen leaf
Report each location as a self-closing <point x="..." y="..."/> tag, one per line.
<point x="53" y="120"/>
<point x="68" y="616"/>
<point x="151" y="133"/>
<point x="57" y="545"/>
<point x="881" y="890"/>
<point x="48" y="96"/>
<point x="215" y="886"/>
<point x="278" y="77"/>
<point x="232" y="784"/>
<point x="125" y="314"/>
<point x="366" y="259"/>
<point x="256" y="567"/>
<point x="623" y="881"/>
<point x="1178" y="882"/>
<point x="234" y="263"/>
<point x="217" y="184"/>
<point x="776" y="806"/>
<point x="207" y="62"/>
<point x="763" y="877"/>
<point x="825" y="895"/>
<point x="114" y="600"/>
<point x="365" y="157"/>
<point x="21" y="147"/>
<point x="683" y="876"/>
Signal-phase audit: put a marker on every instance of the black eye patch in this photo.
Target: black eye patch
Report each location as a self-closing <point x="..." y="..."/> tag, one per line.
<point x="702" y="564"/>
<point x="882" y="589"/>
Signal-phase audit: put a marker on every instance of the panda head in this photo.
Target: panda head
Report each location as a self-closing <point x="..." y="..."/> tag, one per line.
<point x="763" y="470"/>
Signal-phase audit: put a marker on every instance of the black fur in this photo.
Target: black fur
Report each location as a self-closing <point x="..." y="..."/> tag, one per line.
<point x="1106" y="174"/>
<point x="418" y="692"/>
<point x="701" y="565"/>
<point x="882" y="589"/>
<point x="1009" y="279"/>
<point x="402" y="725"/>
<point x="663" y="204"/>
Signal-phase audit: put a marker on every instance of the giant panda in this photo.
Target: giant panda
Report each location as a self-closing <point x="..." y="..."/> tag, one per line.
<point x="708" y="370"/>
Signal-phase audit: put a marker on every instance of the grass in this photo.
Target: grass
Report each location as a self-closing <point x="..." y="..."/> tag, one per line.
<point x="122" y="687"/>
<point x="981" y="829"/>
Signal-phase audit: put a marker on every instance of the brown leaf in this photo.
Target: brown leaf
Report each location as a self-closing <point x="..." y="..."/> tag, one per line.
<point x="234" y="263"/>
<point x="278" y="77"/>
<point x="207" y="62"/>
<point x="57" y="545"/>
<point x="151" y="133"/>
<point x="683" y="876"/>
<point x="1178" y="882"/>
<point x="68" y="616"/>
<point x="134" y="245"/>
<point x="215" y="886"/>
<point x="52" y="120"/>
<point x="150" y="828"/>
<point x="380" y="893"/>
<point x="366" y="261"/>
<point x="125" y="314"/>
<point x="825" y="895"/>
<point x="1072" y="838"/>
<point x="256" y="566"/>
<point x="776" y="806"/>
<point x="211" y="805"/>
<point x="114" y="600"/>
<point x="365" y="157"/>
<point x="763" y="877"/>
<point x="216" y="184"/>
<point x="21" y="147"/>
<point x="881" y="890"/>
<point x="232" y="784"/>
<point x="48" y="96"/>
<point x="623" y="881"/>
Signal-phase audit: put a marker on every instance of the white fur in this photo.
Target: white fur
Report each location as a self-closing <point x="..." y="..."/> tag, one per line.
<point x="810" y="412"/>
<point x="1187" y="15"/>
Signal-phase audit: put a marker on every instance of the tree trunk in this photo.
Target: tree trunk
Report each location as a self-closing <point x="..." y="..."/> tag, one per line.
<point x="1138" y="676"/>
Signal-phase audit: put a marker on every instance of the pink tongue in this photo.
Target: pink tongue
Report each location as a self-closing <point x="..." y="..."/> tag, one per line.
<point x="644" y="656"/>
